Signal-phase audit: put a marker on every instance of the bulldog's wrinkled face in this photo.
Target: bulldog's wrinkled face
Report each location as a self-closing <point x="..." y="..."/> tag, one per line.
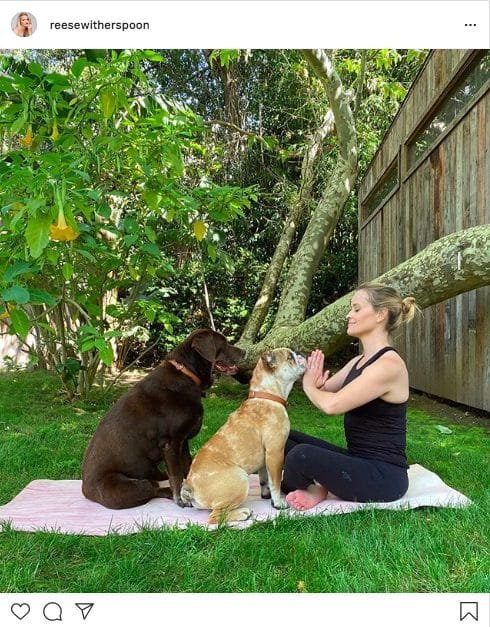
<point x="284" y="364"/>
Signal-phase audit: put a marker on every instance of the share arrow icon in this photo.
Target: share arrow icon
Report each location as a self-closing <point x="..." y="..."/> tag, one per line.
<point x="85" y="608"/>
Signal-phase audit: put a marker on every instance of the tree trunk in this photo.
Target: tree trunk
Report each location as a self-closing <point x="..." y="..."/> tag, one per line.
<point x="457" y="263"/>
<point x="298" y="203"/>
<point x="296" y="292"/>
<point x="234" y="111"/>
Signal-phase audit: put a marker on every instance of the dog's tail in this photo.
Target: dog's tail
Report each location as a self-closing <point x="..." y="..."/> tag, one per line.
<point x="187" y="493"/>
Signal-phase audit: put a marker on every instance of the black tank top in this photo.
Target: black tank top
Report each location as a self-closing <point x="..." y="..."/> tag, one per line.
<point x="376" y="430"/>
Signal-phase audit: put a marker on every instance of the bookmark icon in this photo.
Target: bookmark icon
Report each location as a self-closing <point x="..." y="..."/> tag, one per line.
<point x="85" y="608"/>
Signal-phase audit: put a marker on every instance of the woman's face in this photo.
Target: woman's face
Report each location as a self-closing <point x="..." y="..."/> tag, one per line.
<point x="362" y="318"/>
<point x="25" y="21"/>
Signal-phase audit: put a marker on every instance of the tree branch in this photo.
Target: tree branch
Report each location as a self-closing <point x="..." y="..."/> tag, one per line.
<point x="234" y="127"/>
<point x="360" y="85"/>
<point x="452" y="265"/>
<point x="296" y="292"/>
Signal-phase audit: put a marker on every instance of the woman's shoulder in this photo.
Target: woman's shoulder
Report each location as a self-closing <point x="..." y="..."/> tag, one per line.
<point x="392" y="354"/>
<point x="392" y="359"/>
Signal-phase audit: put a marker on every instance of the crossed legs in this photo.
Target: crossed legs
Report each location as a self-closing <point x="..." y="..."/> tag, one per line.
<point x="312" y="493"/>
<point x="313" y="468"/>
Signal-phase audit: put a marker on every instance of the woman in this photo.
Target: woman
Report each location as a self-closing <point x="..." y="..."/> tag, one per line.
<point x="372" y="390"/>
<point x="23" y="28"/>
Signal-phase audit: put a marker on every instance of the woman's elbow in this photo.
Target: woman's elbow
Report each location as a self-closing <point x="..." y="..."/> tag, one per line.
<point x="331" y="407"/>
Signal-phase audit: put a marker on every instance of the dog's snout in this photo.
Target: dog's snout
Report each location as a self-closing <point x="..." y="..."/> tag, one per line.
<point x="300" y="359"/>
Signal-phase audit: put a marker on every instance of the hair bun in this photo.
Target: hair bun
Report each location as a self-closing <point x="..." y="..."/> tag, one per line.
<point x="399" y="309"/>
<point x="409" y="307"/>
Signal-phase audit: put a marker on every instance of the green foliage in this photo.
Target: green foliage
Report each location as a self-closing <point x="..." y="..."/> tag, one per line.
<point x="104" y="182"/>
<point x="225" y="56"/>
<point x="149" y="201"/>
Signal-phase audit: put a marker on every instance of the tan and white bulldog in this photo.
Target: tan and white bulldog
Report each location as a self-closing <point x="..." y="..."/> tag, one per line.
<point x="252" y="440"/>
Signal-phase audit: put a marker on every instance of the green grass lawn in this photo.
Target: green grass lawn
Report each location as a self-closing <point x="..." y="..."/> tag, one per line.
<point x="426" y="550"/>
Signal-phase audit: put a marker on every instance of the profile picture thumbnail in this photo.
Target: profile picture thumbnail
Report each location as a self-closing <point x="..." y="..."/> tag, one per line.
<point x="24" y="24"/>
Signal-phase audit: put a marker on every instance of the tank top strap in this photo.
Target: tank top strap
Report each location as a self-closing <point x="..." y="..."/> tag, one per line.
<point x="376" y="356"/>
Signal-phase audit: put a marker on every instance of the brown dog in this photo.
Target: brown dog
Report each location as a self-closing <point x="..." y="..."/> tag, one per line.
<point x="251" y="440"/>
<point x="153" y="422"/>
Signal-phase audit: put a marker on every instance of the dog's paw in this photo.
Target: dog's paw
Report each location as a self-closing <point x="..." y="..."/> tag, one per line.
<point x="164" y="493"/>
<point x="182" y="503"/>
<point x="280" y="503"/>
<point x="242" y="513"/>
<point x="265" y="492"/>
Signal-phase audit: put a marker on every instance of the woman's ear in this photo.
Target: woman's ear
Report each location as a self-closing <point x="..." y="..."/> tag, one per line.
<point x="382" y="315"/>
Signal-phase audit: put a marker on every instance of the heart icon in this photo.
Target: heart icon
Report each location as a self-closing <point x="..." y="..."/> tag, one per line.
<point x="20" y="610"/>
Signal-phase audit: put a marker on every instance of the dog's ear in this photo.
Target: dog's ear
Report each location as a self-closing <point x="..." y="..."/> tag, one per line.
<point x="205" y="345"/>
<point x="269" y="360"/>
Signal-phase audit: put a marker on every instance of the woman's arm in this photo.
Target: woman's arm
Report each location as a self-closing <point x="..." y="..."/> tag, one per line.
<point x="322" y="380"/>
<point x="334" y="383"/>
<point x="380" y="378"/>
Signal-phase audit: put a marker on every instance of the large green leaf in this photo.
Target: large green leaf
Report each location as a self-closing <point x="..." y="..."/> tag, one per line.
<point x="20" y="322"/>
<point x="151" y="55"/>
<point x="37" y="234"/>
<point x="67" y="271"/>
<point x="16" y="294"/>
<point x="36" y="69"/>
<point x="106" y="354"/>
<point x="152" y="198"/>
<point x="38" y="297"/>
<point x="86" y="254"/>
<point x="17" y="125"/>
<point x="57" y="79"/>
<point x="78" y="66"/>
<point x="108" y="101"/>
<point x="6" y="85"/>
<point x="152" y="249"/>
<point x="18" y="268"/>
<point x="174" y="158"/>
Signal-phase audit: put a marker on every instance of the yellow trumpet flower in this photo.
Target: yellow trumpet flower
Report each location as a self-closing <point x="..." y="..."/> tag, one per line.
<point x="61" y="231"/>
<point x="55" y="133"/>
<point x="6" y="314"/>
<point x="27" y="139"/>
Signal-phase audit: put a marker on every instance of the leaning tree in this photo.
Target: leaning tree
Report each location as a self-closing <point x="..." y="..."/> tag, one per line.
<point x="452" y="265"/>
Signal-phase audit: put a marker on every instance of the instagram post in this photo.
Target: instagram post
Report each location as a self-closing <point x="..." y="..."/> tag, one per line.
<point x="244" y="312"/>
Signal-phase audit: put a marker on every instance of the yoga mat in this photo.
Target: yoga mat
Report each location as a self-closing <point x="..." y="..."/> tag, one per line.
<point x="59" y="506"/>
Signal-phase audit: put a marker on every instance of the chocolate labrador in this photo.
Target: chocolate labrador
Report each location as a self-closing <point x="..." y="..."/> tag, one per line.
<point x="154" y="422"/>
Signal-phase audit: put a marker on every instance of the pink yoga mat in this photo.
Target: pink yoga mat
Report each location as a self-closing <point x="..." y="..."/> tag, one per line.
<point x="46" y="505"/>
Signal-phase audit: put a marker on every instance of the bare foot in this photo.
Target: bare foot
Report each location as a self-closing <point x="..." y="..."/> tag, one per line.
<point x="306" y="499"/>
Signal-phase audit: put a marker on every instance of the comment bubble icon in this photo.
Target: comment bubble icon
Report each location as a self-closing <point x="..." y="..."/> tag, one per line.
<point x="52" y="611"/>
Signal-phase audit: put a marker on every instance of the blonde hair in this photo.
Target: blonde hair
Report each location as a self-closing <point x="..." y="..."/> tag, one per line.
<point x="19" y="29"/>
<point x="400" y="310"/>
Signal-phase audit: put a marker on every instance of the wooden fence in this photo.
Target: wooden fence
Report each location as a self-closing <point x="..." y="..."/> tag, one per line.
<point x="430" y="177"/>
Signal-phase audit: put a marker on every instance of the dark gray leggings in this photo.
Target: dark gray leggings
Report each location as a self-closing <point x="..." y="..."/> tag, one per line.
<point x="351" y="478"/>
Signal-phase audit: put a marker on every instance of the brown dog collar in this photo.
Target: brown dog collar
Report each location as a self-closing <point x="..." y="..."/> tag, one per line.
<point x="268" y="397"/>
<point x="184" y="370"/>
